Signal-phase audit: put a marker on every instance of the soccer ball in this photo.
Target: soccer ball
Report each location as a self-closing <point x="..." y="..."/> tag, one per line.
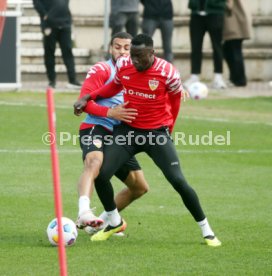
<point x="68" y="229"/>
<point x="198" y="90"/>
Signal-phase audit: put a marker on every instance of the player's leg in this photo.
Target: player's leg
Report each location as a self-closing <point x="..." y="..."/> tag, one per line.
<point x="167" y="26"/>
<point x="49" y="44"/>
<point x="136" y="186"/>
<point x="149" y="26"/>
<point x="114" y="157"/>
<point x="228" y="55"/>
<point x="132" y="175"/>
<point x="92" y="154"/>
<point x="197" y="28"/>
<point x="66" y="47"/>
<point x="117" y="22"/>
<point x="132" y="24"/>
<point x="215" y="29"/>
<point x="234" y="56"/>
<point x="197" y="32"/>
<point x="166" y="158"/>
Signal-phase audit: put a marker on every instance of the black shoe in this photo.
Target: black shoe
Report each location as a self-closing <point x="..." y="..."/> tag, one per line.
<point x="74" y="85"/>
<point x="52" y="84"/>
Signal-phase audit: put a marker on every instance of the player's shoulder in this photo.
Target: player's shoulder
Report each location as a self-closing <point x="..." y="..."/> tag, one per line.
<point x="164" y="67"/>
<point x="123" y="61"/>
<point x="100" y="68"/>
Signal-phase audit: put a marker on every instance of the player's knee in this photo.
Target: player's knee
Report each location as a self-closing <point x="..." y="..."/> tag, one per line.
<point x="140" y="192"/>
<point x="92" y="163"/>
<point x="139" y="189"/>
<point x="137" y="184"/>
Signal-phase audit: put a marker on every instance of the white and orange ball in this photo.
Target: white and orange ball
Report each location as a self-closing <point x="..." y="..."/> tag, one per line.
<point x="69" y="231"/>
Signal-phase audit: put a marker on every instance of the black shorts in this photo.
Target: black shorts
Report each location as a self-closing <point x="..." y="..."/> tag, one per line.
<point x="97" y="138"/>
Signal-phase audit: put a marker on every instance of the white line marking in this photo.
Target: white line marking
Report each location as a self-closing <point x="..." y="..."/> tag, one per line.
<point x="224" y="120"/>
<point x="33" y="104"/>
<point x="72" y="151"/>
<point x="239" y="151"/>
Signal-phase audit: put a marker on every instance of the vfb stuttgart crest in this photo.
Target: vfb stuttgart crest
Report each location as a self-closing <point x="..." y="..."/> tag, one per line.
<point x="153" y="84"/>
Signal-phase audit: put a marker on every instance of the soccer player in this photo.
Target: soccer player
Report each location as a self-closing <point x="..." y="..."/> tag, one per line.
<point x="95" y="132"/>
<point x="153" y="87"/>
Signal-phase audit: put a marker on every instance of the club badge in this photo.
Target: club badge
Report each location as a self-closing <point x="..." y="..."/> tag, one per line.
<point x="153" y="84"/>
<point x="97" y="143"/>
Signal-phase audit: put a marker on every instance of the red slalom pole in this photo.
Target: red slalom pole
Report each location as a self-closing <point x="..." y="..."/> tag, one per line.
<point x="56" y="178"/>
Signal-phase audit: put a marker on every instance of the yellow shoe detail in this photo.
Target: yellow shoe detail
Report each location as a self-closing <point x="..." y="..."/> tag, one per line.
<point x="214" y="242"/>
<point x="107" y="232"/>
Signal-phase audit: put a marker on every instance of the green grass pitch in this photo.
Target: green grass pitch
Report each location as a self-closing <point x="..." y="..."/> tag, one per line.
<point x="233" y="183"/>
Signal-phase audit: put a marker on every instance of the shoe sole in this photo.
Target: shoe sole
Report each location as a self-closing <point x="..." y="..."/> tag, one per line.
<point x="93" y="223"/>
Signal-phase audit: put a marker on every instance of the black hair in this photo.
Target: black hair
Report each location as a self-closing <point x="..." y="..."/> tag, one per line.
<point x="122" y="35"/>
<point x="141" y="39"/>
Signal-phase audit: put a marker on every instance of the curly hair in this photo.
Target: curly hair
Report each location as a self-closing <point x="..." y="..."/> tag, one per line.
<point x="141" y="39"/>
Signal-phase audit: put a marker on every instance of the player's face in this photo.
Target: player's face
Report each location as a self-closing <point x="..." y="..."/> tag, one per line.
<point x="142" y="57"/>
<point x="120" y="47"/>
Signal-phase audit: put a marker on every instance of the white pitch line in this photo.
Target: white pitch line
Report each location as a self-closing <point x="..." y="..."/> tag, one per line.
<point x="239" y="151"/>
<point x="33" y="104"/>
<point x="36" y="151"/>
<point x="72" y="151"/>
<point x="224" y="120"/>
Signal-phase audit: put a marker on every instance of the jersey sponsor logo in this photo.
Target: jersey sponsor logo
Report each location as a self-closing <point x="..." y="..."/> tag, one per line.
<point x="126" y="77"/>
<point x="97" y="143"/>
<point x="153" y="84"/>
<point x="140" y="94"/>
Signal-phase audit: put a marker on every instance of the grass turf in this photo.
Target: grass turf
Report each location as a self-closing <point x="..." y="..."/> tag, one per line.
<point x="233" y="183"/>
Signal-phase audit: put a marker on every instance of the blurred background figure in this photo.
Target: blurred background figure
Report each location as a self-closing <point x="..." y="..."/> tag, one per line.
<point x="56" y="22"/>
<point x="237" y="27"/>
<point x="159" y="14"/>
<point x="206" y="16"/>
<point x="124" y="14"/>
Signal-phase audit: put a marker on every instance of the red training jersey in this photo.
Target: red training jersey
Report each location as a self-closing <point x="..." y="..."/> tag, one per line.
<point x="155" y="92"/>
<point x="96" y="77"/>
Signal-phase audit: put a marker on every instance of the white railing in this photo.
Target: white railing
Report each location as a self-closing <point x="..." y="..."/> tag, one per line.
<point x="20" y="2"/>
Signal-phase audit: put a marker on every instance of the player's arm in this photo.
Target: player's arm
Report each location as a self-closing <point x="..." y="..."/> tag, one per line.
<point x="175" y="93"/>
<point x="174" y="101"/>
<point x="119" y="112"/>
<point x="96" y="78"/>
<point x="105" y="91"/>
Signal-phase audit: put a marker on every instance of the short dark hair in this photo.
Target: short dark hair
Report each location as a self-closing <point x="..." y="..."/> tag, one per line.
<point x="141" y="39"/>
<point x="122" y="35"/>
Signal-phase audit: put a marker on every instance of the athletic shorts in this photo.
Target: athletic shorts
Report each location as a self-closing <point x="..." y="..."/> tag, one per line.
<point x="97" y="138"/>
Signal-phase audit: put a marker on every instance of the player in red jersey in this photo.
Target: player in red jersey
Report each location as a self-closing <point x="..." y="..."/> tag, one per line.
<point x="153" y="87"/>
<point x="95" y="132"/>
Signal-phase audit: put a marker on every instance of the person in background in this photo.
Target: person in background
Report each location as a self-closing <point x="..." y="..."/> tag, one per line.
<point x="237" y="27"/>
<point x="159" y="14"/>
<point x="206" y="16"/>
<point x="124" y="14"/>
<point x="56" y="22"/>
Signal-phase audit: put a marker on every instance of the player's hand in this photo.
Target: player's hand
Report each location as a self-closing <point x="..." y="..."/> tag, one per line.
<point x="79" y="105"/>
<point x="121" y="113"/>
<point x="185" y="95"/>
